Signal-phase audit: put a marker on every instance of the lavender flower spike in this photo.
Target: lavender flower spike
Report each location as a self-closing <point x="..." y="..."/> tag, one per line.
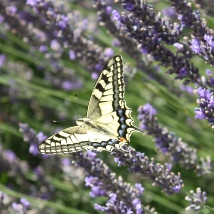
<point x="197" y="201"/>
<point x="168" y="143"/>
<point x="206" y="103"/>
<point x="158" y="174"/>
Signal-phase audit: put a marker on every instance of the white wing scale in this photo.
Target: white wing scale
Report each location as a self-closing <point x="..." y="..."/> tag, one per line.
<point x="108" y="124"/>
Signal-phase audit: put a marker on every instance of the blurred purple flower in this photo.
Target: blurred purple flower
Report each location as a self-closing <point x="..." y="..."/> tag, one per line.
<point x="179" y="46"/>
<point x="177" y="188"/>
<point x="209" y="72"/>
<point x="169" y="12"/>
<point x="71" y="85"/>
<point x="62" y="23"/>
<point x="72" y="55"/>
<point x="109" y="52"/>
<point x="65" y="161"/>
<point x="31" y="2"/>
<point x="25" y="202"/>
<point x="12" y="9"/>
<point x="11" y="156"/>
<point x="128" y="6"/>
<point x="209" y="40"/>
<point x="182" y="72"/>
<point x="115" y="42"/>
<point x="2" y="59"/>
<point x="43" y="48"/>
<point x="94" y="75"/>
<point x="97" y="191"/>
<point x="31" y="137"/>
<point x="55" y="45"/>
<point x="197" y="200"/>
<point x="18" y="207"/>
<point x="115" y="15"/>
<point x="187" y="88"/>
<point x="108" y="9"/>
<point x="139" y="188"/>
<point x="206" y="103"/>
<point x="98" y="67"/>
<point x="67" y="85"/>
<point x="195" y="46"/>
<point x="1" y="19"/>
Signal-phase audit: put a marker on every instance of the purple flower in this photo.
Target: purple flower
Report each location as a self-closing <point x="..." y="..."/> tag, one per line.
<point x="89" y="181"/>
<point x="115" y="42"/>
<point x="25" y="202"/>
<point x="136" y="201"/>
<point x="169" y="12"/>
<point x="195" y="46"/>
<point x="55" y="45"/>
<point x="139" y="188"/>
<point x="179" y="46"/>
<point x="67" y="85"/>
<point x="99" y="207"/>
<point x="31" y="2"/>
<point x="17" y="207"/>
<point x="1" y="19"/>
<point x="2" y="60"/>
<point x="144" y="51"/>
<point x="43" y="48"/>
<point x="199" y="114"/>
<point x="109" y="52"/>
<point x="187" y="88"/>
<point x="203" y="93"/>
<point x="34" y="149"/>
<point x="206" y="104"/>
<point x="177" y="188"/>
<point x="138" y="209"/>
<point x="209" y="40"/>
<point x="72" y="55"/>
<point x="209" y="72"/>
<point x="128" y="6"/>
<point x="108" y="9"/>
<point x="182" y="72"/>
<point x="112" y="197"/>
<point x="98" y="67"/>
<point x="115" y="15"/>
<point x="41" y="137"/>
<point x="12" y="9"/>
<point x="96" y="191"/>
<point x="65" y="161"/>
<point x="63" y="22"/>
<point x="197" y="200"/>
<point x="91" y="154"/>
<point x="94" y="75"/>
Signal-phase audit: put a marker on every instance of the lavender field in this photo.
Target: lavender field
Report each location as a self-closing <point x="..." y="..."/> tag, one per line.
<point x="53" y="51"/>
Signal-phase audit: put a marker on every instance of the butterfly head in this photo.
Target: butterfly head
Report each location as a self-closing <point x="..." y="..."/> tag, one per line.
<point x="82" y="122"/>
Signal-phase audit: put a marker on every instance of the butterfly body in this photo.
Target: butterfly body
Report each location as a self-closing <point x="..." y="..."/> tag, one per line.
<point x="108" y="123"/>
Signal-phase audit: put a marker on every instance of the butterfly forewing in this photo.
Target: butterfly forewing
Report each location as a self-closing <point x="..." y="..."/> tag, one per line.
<point x="108" y="124"/>
<point x="108" y="92"/>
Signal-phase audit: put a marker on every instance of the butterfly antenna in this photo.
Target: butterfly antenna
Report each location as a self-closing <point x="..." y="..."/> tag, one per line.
<point x="76" y="105"/>
<point x="59" y="121"/>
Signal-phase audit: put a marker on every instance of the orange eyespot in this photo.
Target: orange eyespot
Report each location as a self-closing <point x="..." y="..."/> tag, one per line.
<point x="121" y="139"/>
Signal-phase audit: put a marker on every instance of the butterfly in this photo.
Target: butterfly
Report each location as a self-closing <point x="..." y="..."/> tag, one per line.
<point x="108" y="124"/>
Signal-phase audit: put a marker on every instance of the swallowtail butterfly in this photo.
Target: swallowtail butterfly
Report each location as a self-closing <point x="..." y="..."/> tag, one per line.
<point x="108" y="123"/>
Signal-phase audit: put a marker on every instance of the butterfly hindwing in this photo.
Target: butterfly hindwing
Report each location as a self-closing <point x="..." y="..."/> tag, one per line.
<point x="68" y="140"/>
